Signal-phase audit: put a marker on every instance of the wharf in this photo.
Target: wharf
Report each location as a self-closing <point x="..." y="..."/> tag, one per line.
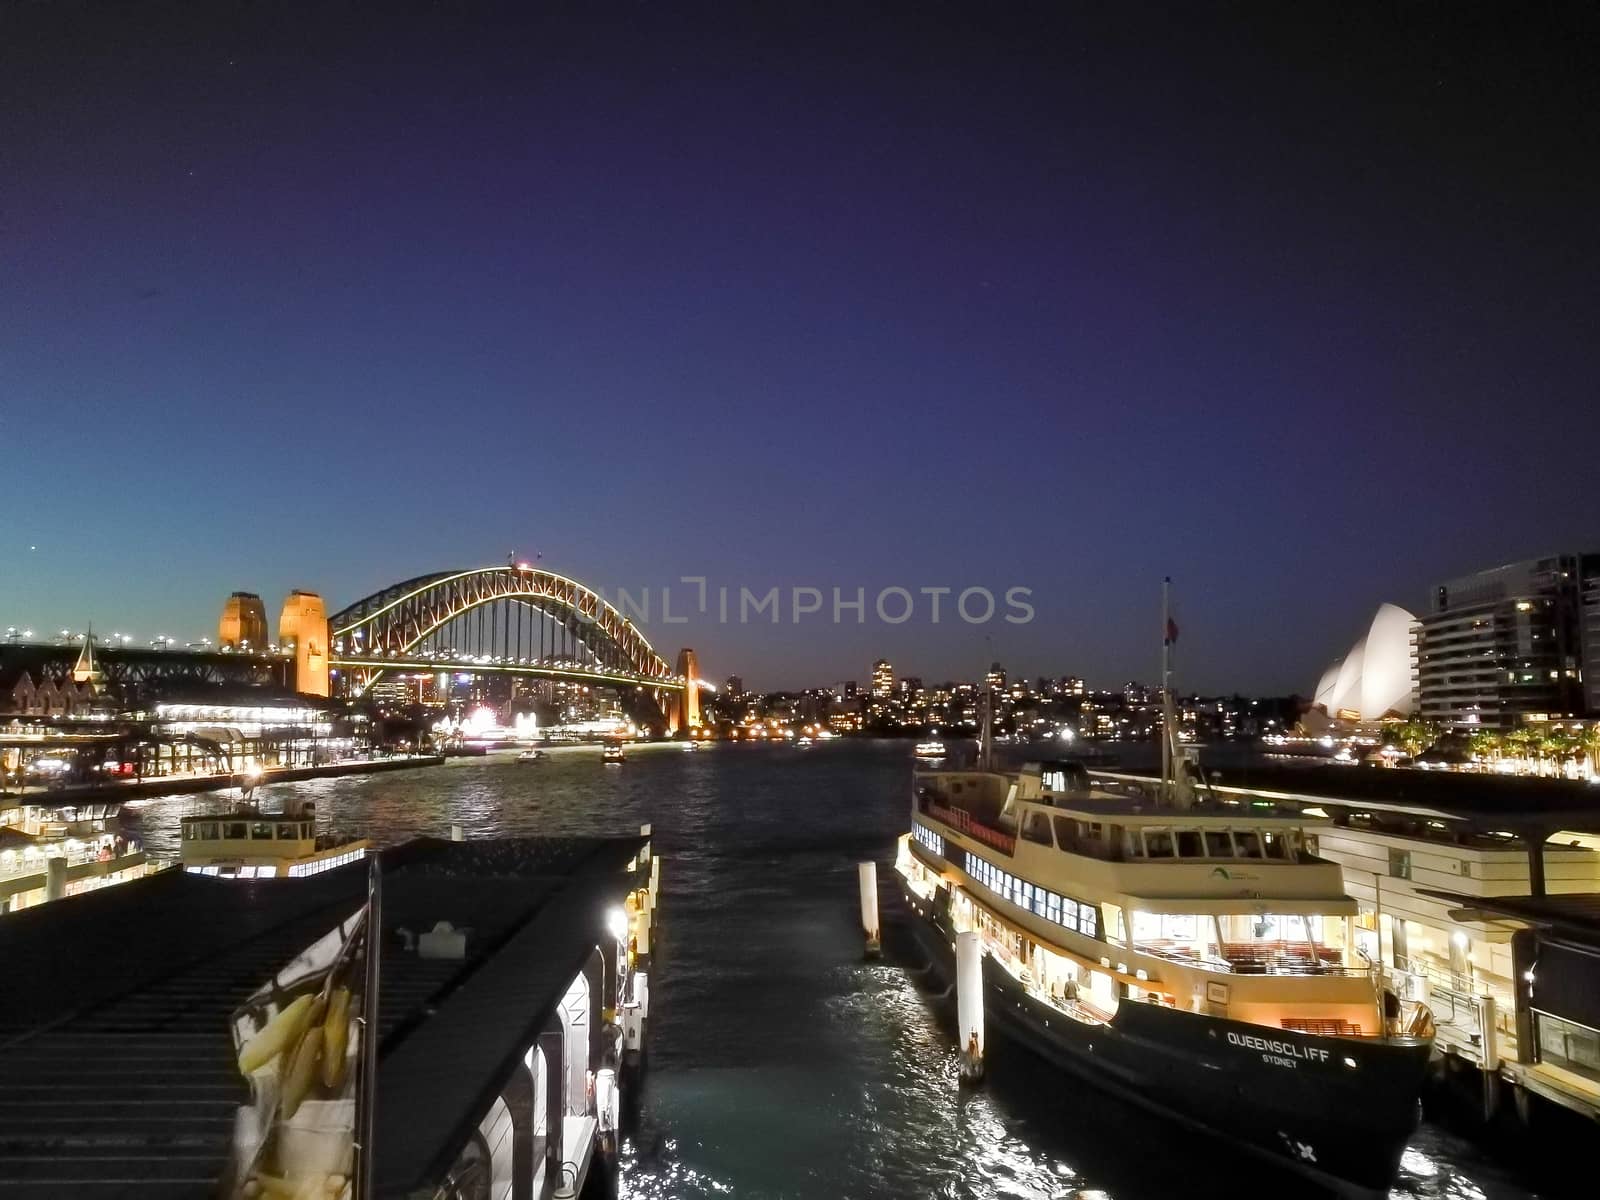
<point x="169" y="785"/>
<point x="510" y="1004"/>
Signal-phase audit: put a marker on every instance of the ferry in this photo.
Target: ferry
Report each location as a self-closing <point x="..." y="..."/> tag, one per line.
<point x="248" y="844"/>
<point x="532" y="756"/>
<point x="1191" y="956"/>
<point x="930" y="751"/>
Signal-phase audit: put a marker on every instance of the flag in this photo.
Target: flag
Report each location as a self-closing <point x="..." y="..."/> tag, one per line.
<point x="1172" y="632"/>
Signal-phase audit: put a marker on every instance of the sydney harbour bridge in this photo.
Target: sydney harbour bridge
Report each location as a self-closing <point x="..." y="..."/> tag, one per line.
<point x="514" y="619"/>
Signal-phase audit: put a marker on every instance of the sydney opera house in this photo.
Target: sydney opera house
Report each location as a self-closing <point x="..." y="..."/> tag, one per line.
<point x="1376" y="678"/>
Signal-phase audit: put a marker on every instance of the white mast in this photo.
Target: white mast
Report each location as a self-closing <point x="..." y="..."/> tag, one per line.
<point x="1166" y="690"/>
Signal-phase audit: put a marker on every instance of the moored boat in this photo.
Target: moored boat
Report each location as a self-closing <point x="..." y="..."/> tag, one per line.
<point x="245" y="843"/>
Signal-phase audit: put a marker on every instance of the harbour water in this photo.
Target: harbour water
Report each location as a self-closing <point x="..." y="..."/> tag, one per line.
<point x="781" y="1064"/>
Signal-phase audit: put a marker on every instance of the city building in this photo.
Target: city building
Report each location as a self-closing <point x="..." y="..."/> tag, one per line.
<point x="882" y="679"/>
<point x="734" y="686"/>
<point x="995" y="680"/>
<point x="1509" y="644"/>
<point x="244" y="623"/>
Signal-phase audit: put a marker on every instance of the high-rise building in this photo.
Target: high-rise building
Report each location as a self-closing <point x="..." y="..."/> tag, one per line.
<point x="735" y="685"/>
<point x="1072" y="686"/>
<point x="244" y="623"/>
<point x="1512" y="642"/>
<point x="996" y="678"/>
<point x="1589" y="636"/>
<point x="882" y="679"/>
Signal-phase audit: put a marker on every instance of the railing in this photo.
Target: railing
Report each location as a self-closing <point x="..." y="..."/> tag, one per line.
<point x="1266" y="964"/>
<point x="959" y="819"/>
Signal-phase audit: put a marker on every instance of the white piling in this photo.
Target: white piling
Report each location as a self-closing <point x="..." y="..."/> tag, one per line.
<point x="456" y="834"/>
<point x="969" y="1006"/>
<point x="644" y="854"/>
<point x="868" y="872"/>
<point x="55" y="878"/>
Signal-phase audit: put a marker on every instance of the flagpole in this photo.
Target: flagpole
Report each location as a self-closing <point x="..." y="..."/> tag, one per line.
<point x="1166" y="688"/>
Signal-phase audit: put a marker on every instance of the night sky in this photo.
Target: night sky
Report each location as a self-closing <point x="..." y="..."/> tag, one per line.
<point x="991" y="295"/>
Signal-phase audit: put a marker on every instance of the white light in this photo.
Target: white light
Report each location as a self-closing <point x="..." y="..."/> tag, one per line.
<point x="617" y="922"/>
<point x="1460" y="939"/>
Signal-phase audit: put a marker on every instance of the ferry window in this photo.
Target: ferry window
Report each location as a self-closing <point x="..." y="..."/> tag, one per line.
<point x="1189" y="845"/>
<point x="1037" y="828"/>
<point x="1065" y="833"/>
<point x="260" y="831"/>
<point x="1132" y="847"/>
<point x="1277" y="846"/>
<point x="1217" y="844"/>
<point x="1158" y="843"/>
<point x="306" y="829"/>
<point x="1248" y="841"/>
<point x="1400" y="863"/>
<point x="1053" y="907"/>
<point x="1086" y="920"/>
<point x="289" y="832"/>
<point x="237" y="829"/>
<point x="1069" y="914"/>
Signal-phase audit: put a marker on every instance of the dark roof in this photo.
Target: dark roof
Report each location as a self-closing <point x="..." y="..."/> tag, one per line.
<point x="1491" y="801"/>
<point x="120" y="1071"/>
<point x="1573" y="913"/>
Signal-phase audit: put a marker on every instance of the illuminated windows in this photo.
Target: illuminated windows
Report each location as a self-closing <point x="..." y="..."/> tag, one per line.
<point x="929" y="839"/>
<point x="1052" y="906"/>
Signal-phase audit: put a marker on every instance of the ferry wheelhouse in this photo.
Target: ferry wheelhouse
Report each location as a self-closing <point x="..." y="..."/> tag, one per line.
<point x="1194" y="958"/>
<point x="246" y="844"/>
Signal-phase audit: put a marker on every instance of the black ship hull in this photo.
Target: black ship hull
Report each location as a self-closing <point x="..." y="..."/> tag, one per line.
<point x="1292" y="1098"/>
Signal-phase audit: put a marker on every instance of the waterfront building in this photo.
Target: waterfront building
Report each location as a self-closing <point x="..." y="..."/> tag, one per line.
<point x="1511" y="644"/>
<point x="882" y="680"/>
<point x="244" y="623"/>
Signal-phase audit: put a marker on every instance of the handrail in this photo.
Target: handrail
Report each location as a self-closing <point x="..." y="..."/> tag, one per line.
<point x="1281" y="965"/>
<point x="960" y="819"/>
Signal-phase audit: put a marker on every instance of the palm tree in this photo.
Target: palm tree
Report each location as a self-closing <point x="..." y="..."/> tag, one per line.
<point x="1523" y="741"/>
<point x="1558" y="746"/>
<point x="1589" y="741"/>
<point x="1486" y="744"/>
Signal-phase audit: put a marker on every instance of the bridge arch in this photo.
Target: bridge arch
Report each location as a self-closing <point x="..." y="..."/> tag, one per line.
<point x="515" y="618"/>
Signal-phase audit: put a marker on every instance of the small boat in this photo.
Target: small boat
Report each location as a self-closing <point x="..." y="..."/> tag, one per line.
<point x="805" y="743"/>
<point x="532" y="756"/>
<point x="246" y="843"/>
<point x="613" y="754"/>
<point x="929" y="751"/>
<point x="691" y="747"/>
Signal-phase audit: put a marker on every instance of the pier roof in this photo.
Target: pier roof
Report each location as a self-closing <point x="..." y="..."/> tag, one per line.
<point x="1486" y="801"/>
<point x="114" y="1010"/>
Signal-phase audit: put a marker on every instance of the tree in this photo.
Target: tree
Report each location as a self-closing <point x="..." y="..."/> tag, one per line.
<point x="1589" y="741"/>
<point x="1486" y="744"/>
<point x="1413" y="735"/>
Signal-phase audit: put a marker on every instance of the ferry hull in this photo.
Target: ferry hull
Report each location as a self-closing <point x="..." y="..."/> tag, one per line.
<point x="1288" y="1097"/>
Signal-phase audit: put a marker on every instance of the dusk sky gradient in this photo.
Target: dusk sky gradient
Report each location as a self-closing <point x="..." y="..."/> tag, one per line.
<point x="847" y="296"/>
